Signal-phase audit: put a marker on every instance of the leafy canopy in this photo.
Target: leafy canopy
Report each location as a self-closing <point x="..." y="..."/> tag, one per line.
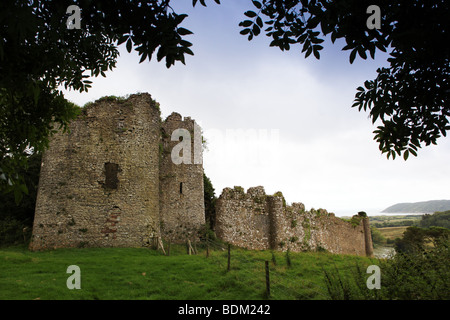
<point x="411" y="97"/>
<point x="39" y="55"/>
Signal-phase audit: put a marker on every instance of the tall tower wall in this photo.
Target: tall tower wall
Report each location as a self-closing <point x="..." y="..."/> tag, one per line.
<point x="99" y="182"/>
<point x="182" y="208"/>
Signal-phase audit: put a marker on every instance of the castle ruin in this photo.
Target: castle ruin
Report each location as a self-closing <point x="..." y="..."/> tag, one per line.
<point x="258" y="221"/>
<point x="110" y="180"/>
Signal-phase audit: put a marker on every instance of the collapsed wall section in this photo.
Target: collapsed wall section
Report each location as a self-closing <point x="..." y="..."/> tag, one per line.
<point x="255" y="220"/>
<point x="99" y="182"/>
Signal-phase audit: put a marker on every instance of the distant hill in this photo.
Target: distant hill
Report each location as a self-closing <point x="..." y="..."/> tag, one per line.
<point x="419" y="207"/>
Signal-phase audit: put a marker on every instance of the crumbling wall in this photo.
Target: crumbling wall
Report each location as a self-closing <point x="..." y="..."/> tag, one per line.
<point x="255" y="220"/>
<point x="99" y="182"/>
<point x="182" y="206"/>
<point x="243" y="218"/>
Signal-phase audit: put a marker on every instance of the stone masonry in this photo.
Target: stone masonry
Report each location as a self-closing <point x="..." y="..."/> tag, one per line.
<point x="255" y="220"/>
<point x="109" y="180"/>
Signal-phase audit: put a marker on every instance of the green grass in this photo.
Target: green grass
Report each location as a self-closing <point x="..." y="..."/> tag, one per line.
<point x="141" y="273"/>
<point x="392" y="232"/>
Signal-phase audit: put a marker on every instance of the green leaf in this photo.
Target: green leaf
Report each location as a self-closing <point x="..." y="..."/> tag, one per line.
<point x="256" y="30"/>
<point x="316" y="54"/>
<point x="406" y="155"/>
<point x="122" y="39"/>
<point x="129" y="45"/>
<point x="183" y="31"/>
<point x="413" y="152"/>
<point x="257" y="4"/>
<point x="352" y="56"/>
<point x="17" y="196"/>
<point x="245" y="23"/>
<point x="143" y="57"/>
<point x="259" y="22"/>
<point x="362" y="52"/>
<point x="250" y="14"/>
<point x="23" y="188"/>
<point x="308" y="52"/>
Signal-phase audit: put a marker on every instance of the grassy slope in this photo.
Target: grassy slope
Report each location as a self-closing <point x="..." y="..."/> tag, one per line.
<point x="139" y="273"/>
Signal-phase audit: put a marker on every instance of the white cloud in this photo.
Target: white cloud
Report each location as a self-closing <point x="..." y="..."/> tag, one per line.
<point x="322" y="153"/>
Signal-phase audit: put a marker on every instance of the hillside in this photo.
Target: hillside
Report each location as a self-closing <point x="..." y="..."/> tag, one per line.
<point x="419" y="207"/>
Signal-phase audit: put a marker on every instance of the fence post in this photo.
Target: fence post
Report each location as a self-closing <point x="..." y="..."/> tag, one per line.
<point x="229" y="257"/>
<point x="160" y="243"/>
<point x="168" y="248"/>
<point x="190" y="249"/>
<point x="267" y="280"/>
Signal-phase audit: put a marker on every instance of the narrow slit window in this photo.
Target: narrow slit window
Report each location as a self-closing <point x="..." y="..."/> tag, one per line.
<point x="181" y="187"/>
<point x="111" y="180"/>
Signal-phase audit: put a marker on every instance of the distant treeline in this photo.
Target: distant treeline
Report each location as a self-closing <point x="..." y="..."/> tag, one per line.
<point x="401" y="223"/>
<point x="437" y="219"/>
<point x="395" y="221"/>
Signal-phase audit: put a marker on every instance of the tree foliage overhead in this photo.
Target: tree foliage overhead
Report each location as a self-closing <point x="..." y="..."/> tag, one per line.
<point x="411" y="97"/>
<point x="39" y="54"/>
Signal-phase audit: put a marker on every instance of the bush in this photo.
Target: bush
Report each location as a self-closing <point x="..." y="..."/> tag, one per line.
<point x="13" y="231"/>
<point x="418" y="275"/>
<point x="414" y="275"/>
<point x="377" y="237"/>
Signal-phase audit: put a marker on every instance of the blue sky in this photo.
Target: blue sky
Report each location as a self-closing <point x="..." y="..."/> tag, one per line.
<point x="276" y="119"/>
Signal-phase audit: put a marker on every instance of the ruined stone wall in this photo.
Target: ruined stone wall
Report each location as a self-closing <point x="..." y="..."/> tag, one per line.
<point x="99" y="183"/>
<point x="255" y="220"/>
<point x="243" y="218"/>
<point x="110" y="181"/>
<point x="181" y="184"/>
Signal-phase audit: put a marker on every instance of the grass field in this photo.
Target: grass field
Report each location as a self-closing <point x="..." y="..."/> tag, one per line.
<point x="141" y="273"/>
<point x="392" y="232"/>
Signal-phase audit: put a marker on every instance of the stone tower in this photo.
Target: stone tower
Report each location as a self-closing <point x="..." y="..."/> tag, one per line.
<point x="181" y="185"/>
<point x="100" y="182"/>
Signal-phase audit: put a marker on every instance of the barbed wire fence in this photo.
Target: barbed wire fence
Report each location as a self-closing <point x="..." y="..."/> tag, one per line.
<point x="276" y="275"/>
<point x="269" y="274"/>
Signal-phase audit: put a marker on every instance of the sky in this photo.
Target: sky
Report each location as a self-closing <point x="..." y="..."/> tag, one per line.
<point x="278" y="120"/>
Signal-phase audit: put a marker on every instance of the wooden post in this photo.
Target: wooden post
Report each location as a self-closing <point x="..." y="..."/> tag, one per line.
<point x="161" y="244"/>
<point x="189" y="247"/>
<point x="207" y="245"/>
<point x="154" y="243"/>
<point x="267" y="280"/>
<point x="229" y="257"/>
